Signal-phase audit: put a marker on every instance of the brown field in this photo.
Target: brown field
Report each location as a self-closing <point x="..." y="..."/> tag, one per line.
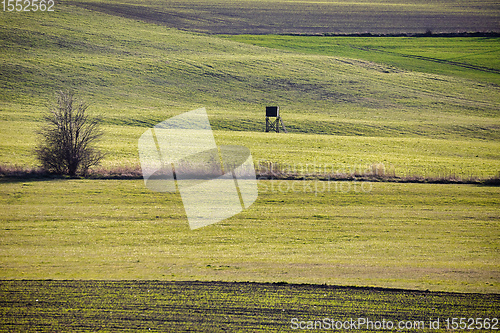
<point x="309" y="17"/>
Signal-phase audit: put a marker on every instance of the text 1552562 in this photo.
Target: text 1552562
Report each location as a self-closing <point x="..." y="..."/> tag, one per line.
<point x="28" y="5"/>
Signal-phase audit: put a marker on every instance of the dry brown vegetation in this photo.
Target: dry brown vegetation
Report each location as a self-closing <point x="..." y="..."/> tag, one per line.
<point x="269" y="170"/>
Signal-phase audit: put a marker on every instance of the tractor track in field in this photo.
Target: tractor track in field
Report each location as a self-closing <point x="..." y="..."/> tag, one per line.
<point x="436" y="60"/>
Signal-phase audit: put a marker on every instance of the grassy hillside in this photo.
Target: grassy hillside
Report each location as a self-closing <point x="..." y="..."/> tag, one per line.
<point x="471" y="58"/>
<point x="136" y="74"/>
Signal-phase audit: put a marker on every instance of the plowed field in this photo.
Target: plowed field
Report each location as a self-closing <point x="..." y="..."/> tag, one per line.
<point x="74" y="306"/>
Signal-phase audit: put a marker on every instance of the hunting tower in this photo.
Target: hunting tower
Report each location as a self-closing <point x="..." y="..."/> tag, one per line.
<point x="273" y="119"/>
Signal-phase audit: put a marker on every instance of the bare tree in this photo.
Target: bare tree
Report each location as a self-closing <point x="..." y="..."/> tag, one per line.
<point x="68" y="137"/>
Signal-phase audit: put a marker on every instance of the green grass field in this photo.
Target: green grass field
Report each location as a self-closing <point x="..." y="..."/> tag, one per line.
<point x="420" y="106"/>
<point x="304" y="153"/>
<point x="416" y="236"/>
<point x="473" y="59"/>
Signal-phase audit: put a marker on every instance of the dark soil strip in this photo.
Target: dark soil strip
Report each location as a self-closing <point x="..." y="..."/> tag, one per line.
<point x="57" y="306"/>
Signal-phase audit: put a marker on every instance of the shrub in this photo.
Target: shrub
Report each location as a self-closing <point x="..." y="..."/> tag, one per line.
<point x="68" y="137"/>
